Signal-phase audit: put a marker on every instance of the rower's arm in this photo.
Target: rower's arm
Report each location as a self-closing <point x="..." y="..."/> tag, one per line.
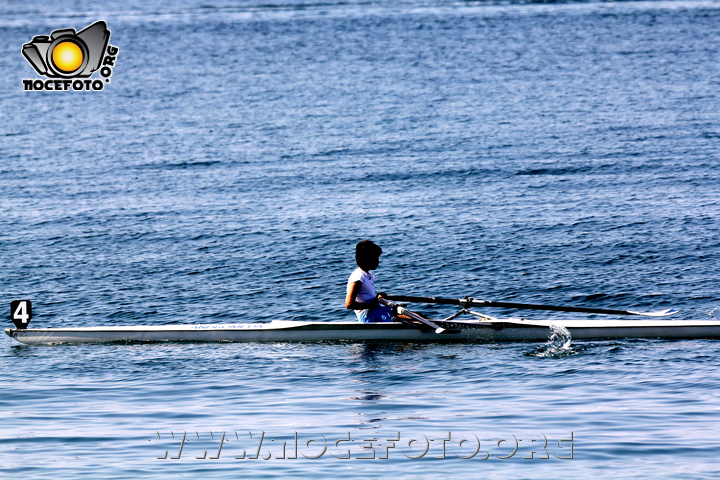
<point x="351" y="303"/>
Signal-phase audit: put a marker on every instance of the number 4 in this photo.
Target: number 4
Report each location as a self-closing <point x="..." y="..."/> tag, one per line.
<point x="21" y="312"/>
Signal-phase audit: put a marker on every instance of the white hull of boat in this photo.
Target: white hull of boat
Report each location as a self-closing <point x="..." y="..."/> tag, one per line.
<point x="292" y="331"/>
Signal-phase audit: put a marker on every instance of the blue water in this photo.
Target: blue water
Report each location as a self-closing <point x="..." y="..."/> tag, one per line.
<point x="560" y="153"/>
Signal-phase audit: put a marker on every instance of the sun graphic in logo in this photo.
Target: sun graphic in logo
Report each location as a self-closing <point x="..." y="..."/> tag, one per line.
<point x="67" y="56"/>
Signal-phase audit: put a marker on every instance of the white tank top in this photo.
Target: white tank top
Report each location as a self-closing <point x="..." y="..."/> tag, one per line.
<point x="366" y="294"/>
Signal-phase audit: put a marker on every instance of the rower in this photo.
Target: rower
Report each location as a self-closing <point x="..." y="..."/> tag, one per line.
<point x="361" y="295"/>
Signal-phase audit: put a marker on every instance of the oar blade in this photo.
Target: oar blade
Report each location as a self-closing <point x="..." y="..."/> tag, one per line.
<point x="662" y="313"/>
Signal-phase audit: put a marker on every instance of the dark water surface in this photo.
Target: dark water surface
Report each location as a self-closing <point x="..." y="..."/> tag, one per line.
<point x="544" y="153"/>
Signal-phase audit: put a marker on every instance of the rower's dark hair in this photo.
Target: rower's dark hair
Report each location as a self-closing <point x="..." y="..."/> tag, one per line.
<point x="366" y="250"/>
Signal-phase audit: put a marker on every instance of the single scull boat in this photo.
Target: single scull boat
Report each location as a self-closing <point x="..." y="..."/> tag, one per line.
<point x="295" y="331"/>
<point x="413" y="329"/>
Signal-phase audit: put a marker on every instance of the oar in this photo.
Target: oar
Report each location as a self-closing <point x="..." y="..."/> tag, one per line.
<point x="403" y="311"/>
<point x="470" y="302"/>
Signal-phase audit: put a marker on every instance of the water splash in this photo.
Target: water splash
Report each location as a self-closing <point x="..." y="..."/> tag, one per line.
<point x="559" y="337"/>
<point x="558" y="344"/>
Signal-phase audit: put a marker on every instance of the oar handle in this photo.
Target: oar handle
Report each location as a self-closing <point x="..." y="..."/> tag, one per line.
<point x="403" y="311"/>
